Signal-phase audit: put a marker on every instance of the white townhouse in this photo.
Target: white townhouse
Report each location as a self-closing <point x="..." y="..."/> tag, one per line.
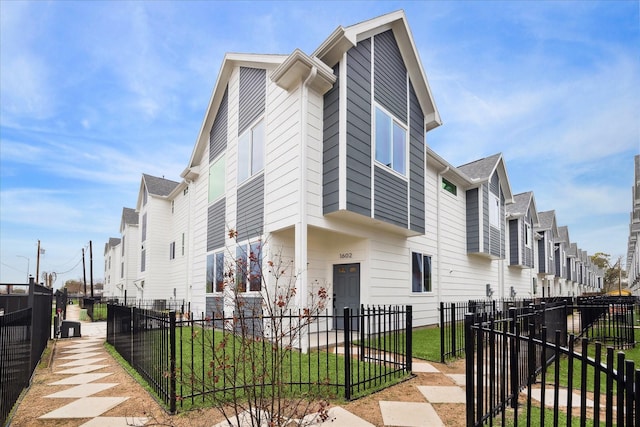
<point x="546" y="235"/>
<point x="111" y="266"/>
<point x="521" y="275"/>
<point x="320" y="158"/>
<point x="157" y="245"/>
<point x="321" y="161"/>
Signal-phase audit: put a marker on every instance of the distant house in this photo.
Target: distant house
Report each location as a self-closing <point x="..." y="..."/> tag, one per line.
<point x="111" y="266"/>
<point x="547" y="232"/>
<point x="522" y="219"/>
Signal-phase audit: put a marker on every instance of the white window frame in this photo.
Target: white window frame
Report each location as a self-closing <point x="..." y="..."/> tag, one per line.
<point x="214" y="168"/>
<point x="217" y="272"/>
<point x="527" y="235"/>
<point x="403" y="127"/>
<point x="424" y="288"/>
<point x="253" y="155"/>
<point x="494" y="211"/>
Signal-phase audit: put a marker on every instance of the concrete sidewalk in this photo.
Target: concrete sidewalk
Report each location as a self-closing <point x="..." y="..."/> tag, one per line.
<point x="84" y="369"/>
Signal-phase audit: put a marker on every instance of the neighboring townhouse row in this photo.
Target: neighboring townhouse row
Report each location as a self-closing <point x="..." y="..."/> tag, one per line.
<point x="322" y="160"/>
<point x="633" y="252"/>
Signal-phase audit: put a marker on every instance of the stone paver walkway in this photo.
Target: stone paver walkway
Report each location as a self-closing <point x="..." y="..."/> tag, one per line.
<point x="78" y="358"/>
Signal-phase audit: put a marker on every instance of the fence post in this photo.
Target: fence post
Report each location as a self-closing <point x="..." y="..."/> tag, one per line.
<point x="441" y="332"/>
<point x="347" y="353"/>
<point x="172" y="362"/>
<point x="513" y="328"/>
<point x="469" y="359"/>
<point x="408" y="334"/>
<point x="453" y="329"/>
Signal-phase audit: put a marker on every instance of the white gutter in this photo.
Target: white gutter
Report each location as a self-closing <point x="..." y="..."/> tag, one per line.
<point x="301" y="232"/>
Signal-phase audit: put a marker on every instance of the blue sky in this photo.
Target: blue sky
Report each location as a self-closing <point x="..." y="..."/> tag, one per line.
<point x="93" y="94"/>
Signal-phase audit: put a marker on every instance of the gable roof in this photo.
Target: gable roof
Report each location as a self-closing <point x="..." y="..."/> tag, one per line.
<point x="344" y="38"/>
<point x="481" y="171"/>
<point x="548" y="222"/>
<point x="522" y="203"/>
<point x="573" y="250"/>
<point x="129" y="217"/>
<point x="563" y="233"/>
<point x="229" y="62"/>
<point x="113" y="242"/>
<point x="158" y="186"/>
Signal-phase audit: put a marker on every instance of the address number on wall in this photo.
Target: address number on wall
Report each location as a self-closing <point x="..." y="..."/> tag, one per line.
<point x="345" y="255"/>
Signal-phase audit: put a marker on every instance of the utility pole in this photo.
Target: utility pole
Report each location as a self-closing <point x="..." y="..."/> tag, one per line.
<point x="91" y="266"/>
<point x="84" y="274"/>
<point x="38" y="263"/>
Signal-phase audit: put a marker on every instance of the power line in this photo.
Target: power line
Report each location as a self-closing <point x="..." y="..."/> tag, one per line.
<point x="12" y="267"/>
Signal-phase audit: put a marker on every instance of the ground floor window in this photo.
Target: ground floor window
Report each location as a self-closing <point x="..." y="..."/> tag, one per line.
<point x="249" y="267"/>
<point x="420" y="272"/>
<point x="215" y="272"/>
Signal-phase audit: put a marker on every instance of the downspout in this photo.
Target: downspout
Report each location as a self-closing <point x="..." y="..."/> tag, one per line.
<point x="188" y="234"/>
<point x="301" y="229"/>
<point x="438" y="237"/>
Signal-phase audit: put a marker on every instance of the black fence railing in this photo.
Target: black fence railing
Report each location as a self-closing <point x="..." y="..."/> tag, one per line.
<point x="177" y="357"/>
<point x="514" y="373"/>
<point x="452" y="321"/>
<point x="24" y="333"/>
<point x="609" y="320"/>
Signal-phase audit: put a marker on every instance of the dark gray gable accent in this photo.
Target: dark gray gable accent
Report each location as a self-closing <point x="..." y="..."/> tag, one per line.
<point x="494" y="184"/>
<point x="390" y="198"/>
<point x="542" y="257"/>
<point x="218" y="134"/>
<point x="330" y="149"/>
<point x="252" y="96"/>
<point x="250" y="213"/>
<point x="416" y="163"/>
<point x="359" y="128"/>
<point x="216" y="231"/>
<point x="514" y="249"/>
<point x="390" y="75"/>
<point x="486" y="234"/>
<point x="473" y="221"/>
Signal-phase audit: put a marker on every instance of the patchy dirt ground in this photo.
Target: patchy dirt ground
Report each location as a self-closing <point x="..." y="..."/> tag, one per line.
<point x="140" y="404"/>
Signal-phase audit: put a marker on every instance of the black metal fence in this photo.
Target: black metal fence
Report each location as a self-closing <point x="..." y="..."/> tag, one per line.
<point x="609" y="320"/>
<point x="181" y="359"/>
<point x="24" y="334"/>
<point x="452" y="322"/>
<point x="515" y="373"/>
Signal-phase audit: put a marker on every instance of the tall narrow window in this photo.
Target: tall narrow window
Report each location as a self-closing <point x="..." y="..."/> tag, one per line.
<point x="216" y="179"/>
<point x="255" y="266"/>
<point x="241" y="269"/>
<point x="391" y="142"/>
<point x="144" y="227"/>
<point x="182" y="244"/>
<point x="251" y="152"/>
<point x="210" y="273"/>
<point x="420" y="272"/>
<point x="494" y="210"/>
<point x="172" y="250"/>
<point x="219" y="272"/>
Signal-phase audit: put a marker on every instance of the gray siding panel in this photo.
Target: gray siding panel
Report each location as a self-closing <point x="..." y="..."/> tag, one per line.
<point x="473" y="225"/>
<point x="250" y="214"/>
<point x="216" y="225"/>
<point x="252" y="96"/>
<point x="390" y="75"/>
<point x="485" y="219"/>
<point x="542" y="260"/>
<point x="331" y="151"/>
<point x="359" y="128"/>
<point x="390" y="198"/>
<point x="514" y="224"/>
<point x="416" y="164"/>
<point x="218" y="134"/>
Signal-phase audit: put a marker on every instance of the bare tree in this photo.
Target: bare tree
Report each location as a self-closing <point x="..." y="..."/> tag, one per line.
<point x="261" y="330"/>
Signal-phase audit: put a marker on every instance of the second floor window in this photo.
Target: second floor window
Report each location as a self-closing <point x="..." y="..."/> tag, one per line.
<point x="251" y="152"/>
<point x="391" y="142"/>
<point x="216" y="179"/>
<point x="494" y="211"/>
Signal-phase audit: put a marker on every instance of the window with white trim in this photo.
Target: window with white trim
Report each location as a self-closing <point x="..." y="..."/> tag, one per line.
<point x="421" y="273"/>
<point x="215" y="272"/>
<point x="251" y="152"/>
<point x="390" y="141"/>
<point x="249" y="267"/>
<point x="527" y="235"/>
<point x="494" y="211"/>
<point x="172" y="250"/>
<point x="216" y="179"/>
